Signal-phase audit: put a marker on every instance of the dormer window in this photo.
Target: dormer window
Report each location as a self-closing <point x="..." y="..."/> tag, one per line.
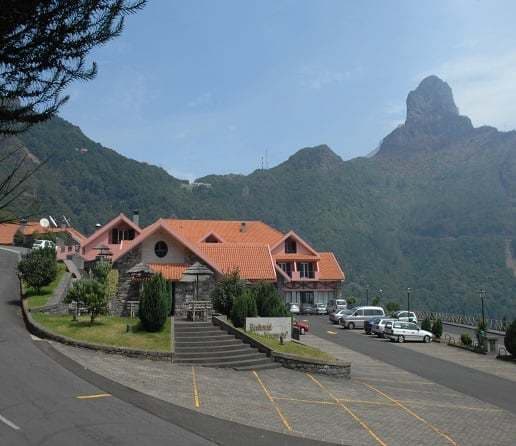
<point x="160" y="249"/>
<point x="290" y="246"/>
<point x="211" y="239"/>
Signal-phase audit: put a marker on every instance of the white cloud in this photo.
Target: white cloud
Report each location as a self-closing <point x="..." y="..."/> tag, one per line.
<point x="484" y="87"/>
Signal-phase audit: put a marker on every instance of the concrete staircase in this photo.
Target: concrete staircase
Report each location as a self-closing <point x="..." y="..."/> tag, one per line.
<point x="206" y="345"/>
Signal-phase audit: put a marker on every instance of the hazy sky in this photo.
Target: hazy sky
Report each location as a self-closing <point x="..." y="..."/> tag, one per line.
<point x="202" y="87"/>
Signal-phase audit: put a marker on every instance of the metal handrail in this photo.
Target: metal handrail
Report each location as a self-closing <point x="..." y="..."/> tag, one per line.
<point x="471" y="320"/>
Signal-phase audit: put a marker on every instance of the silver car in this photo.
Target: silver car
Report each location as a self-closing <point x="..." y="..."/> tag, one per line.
<point x="407" y="331"/>
<point x="379" y="328"/>
<point x="320" y="308"/>
<point x="335" y="317"/>
<point x="359" y="315"/>
<point x="405" y="316"/>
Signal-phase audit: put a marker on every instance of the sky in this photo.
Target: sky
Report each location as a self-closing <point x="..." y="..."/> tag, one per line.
<point x="211" y="87"/>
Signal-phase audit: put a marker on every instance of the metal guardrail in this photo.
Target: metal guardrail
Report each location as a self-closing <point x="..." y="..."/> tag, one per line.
<point x="472" y="320"/>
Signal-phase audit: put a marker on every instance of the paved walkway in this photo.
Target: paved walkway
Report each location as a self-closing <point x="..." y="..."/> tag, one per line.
<point x="380" y="405"/>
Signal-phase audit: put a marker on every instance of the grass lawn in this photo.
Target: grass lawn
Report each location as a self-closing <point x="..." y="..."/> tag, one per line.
<point x="35" y="300"/>
<point x="108" y="330"/>
<point x="293" y="348"/>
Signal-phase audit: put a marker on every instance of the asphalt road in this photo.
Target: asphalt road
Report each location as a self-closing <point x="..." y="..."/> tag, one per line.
<point x="486" y="387"/>
<point x="39" y="405"/>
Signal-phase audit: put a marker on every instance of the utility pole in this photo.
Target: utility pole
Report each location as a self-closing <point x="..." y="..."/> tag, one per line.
<point x="408" y="304"/>
<point x="482" y="296"/>
<point x="367" y="295"/>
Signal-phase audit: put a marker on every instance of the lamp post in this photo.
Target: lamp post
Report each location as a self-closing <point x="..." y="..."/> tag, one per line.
<point x="380" y="293"/>
<point x="482" y="293"/>
<point x="408" y="304"/>
<point x="367" y="295"/>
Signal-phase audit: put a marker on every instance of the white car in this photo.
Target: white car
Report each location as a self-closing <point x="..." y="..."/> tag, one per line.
<point x="42" y="244"/>
<point x="405" y="316"/>
<point x="294" y="308"/>
<point x="406" y="331"/>
<point x="379" y="328"/>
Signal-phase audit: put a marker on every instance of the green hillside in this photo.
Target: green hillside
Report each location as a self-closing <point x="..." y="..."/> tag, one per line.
<point x="433" y="210"/>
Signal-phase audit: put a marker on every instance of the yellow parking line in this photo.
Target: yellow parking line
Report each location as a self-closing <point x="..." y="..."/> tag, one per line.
<point x="197" y="400"/>
<point x="415" y="415"/>
<point x="91" y="397"/>
<point x="349" y="411"/>
<point x="271" y="399"/>
<point x="297" y="400"/>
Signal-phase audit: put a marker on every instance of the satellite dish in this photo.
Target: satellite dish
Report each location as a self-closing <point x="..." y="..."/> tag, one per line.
<point x="44" y="223"/>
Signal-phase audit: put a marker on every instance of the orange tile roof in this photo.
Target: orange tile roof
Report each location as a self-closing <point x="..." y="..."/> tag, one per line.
<point x="296" y="257"/>
<point x="329" y="268"/>
<point x="228" y="230"/>
<point x="253" y="260"/>
<point x="170" y="271"/>
<point x="7" y="232"/>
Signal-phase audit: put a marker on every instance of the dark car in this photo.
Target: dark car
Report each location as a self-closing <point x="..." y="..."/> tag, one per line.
<point x="368" y="325"/>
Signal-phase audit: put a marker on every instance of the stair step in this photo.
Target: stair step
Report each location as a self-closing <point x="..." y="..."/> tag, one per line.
<point x="233" y="364"/>
<point x="197" y="325"/>
<point x="264" y="366"/>
<point x="218" y="358"/>
<point x="214" y="351"/>
<point x="208" y="342"/>
<point x="194" y="331"/>
<point x="214" y="337"/>
<point x="180" y="348"/>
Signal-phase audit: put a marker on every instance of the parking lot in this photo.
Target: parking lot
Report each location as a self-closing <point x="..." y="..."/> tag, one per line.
<point x="380" y="405"/>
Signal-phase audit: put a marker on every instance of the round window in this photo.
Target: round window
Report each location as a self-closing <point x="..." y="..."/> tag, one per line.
<point x="160" y="249"/>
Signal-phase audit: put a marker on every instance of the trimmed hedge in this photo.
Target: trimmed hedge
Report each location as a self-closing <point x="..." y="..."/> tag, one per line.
<point x="154" y="303"/>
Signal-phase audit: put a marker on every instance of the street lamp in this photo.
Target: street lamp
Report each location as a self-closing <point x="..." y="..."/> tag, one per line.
<point x="408" y="304"/>
<point x="482" y="293"/>
<point x="367" y="295"/>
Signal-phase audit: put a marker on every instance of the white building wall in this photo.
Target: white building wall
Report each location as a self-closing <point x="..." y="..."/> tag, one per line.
<point x="176" y="252"/>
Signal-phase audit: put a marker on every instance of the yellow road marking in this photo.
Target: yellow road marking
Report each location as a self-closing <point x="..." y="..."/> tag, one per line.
<point x="415" y="415"/>
<point x="423" y="383"/>
<point x="271" y="399"/>
<point x="331" y="332"/>
<point x="349" y="411"/>
<point x="91" y="397"/>
<point x="197" y="400"/>
<point x="297" y="400"/>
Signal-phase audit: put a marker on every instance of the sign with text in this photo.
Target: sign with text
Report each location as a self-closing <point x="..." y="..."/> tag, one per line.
<point x="270" y="326"/>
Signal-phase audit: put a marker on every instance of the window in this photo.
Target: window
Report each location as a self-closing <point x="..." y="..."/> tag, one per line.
<point x="379" y="312"/>
<point x="369" y="312"/>
<point x="114" y="236"/>
<point x="306" y="270"/>
<point x="160" y="249"/>
<point x="359" y="313"/>
<point x="290" y="246"/>
<point x="307" y="297"/>
<point x="286" y="267"/>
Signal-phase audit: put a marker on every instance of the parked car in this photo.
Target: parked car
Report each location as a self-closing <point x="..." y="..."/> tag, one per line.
<point x="368" y="325"/>
<point x="320" y="309"/>
<point x="407" y="331"/>
<point x="294" y="309"/>
<point x="307" y="309"/>
<point x="335" y="317"/>
<point x="334" y="305"/>
<point x="359" y="315"/>
<point x="379" y="327"/>
<point x="405" y="316"/>
<point x="303" y="326"/>
<point x="42" y="244"/>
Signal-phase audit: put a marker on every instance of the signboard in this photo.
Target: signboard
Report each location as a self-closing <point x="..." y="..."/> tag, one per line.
<point x="270" y="326"/>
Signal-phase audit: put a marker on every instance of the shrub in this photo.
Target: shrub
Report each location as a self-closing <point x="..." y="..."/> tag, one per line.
<point x="376" y="301"/>
<point x="481" y="335"/>
<point x="392" y="307"/>
<point x="100" y="270"/>
<point x="38" y="268"/>
<point x="426" y="324"/>
<point x="465" y="338"/>
<point x="226" y="291"/>
<point x="111" y="284"/>
<point x="91" y="293"/>
<point x="437" y="328"/>
<point x="510" y="338"/>
<point x="154" y="303"/>
<point x="243" y="306"/>
<point x="350" y="300"/>
<point x="269" y="302"/>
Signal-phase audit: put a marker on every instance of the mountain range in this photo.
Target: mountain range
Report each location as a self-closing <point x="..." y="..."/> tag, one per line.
<point x="433" y="209"/>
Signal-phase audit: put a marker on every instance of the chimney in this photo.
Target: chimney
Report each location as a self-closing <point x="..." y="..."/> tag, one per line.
<point x="243" y="227"/>
<point x="136" y="217"/>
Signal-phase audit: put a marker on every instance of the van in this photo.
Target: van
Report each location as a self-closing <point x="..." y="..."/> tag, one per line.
<point x="359" y="315"/>
<point x="335" y="305"/>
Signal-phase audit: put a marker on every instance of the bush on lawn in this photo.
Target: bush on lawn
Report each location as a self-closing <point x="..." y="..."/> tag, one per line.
<point x="38" y="268"/>
<point x="510" y="338"/>
<point x="437" y="328"/>
<point x="100" y="270"/>
<point x="111" y="284"/>
<point x="154" y="303"/>
<point x="226" y="291"/>
<point x="351" y="301"/>
<point x="426" y="324"/>
<point x="269" y="303"/>
<point x="243" y="306"/>
<point x="465" y="339"/>
<point x="90" y="293"/>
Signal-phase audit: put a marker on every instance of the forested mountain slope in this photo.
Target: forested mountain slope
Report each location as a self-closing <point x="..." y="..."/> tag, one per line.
<point x="433" y="210"/>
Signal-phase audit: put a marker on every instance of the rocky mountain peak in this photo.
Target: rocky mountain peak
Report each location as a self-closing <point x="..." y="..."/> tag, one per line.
<point x="318" y="157"/>
<point x="432" y="99"/>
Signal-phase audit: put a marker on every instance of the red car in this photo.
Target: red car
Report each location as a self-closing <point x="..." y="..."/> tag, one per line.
<point x="303" y="326"/>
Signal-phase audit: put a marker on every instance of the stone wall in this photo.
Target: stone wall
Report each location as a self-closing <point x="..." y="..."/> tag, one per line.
<point x="184" y="292"/>
<point x="127" y="289"/>
<point x="336" y="368"/>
